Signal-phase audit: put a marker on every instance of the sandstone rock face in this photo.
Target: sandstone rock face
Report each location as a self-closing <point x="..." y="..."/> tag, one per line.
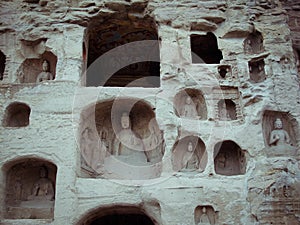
<point x="149" y="112"/>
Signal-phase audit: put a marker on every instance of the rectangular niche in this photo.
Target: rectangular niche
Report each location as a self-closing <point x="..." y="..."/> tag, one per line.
<point x="257" y="70"/>
<point x="227" y="105"/>
<point x="122" y="53"/>
<point x="225" y="72"/>
<point x="204" y="49"/>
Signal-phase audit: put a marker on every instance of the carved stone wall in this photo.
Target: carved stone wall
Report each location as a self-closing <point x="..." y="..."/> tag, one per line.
<point x="145" y="134"/>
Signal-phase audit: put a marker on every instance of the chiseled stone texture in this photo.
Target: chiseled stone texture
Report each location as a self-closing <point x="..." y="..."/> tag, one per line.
<point x="267" y="192"/>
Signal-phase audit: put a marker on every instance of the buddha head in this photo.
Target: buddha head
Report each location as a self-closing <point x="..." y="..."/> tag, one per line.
<point x="45" y="66"/>
<point x="125" y="121"/>
<point x="278" y="123"/>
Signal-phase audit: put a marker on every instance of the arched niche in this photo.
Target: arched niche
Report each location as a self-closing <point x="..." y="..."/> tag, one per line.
<point x="16" y="115"/>
<point x="257" y="70"/>
<point x="224" y="71"/>
<point x="279" y="130"/>
<point x="205" y="214"/>
<point x="227" y="110"/>
<point x="33" y="69"/>
<point x="229" y="159"/>
<point x="189" y="154"/>
<point x="190" y="103"/>
<point x="118" y="215"/>
<point x="205" y="49"/>
<point x="253" y="44"/>
<point x="135" y="65"/>
<point x="30" y="189"/>
<point x="121" y="139"/>
<point x="2" y="64"/>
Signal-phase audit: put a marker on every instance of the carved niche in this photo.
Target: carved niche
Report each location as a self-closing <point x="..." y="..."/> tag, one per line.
<point x="229" y="159"/>
<point x="253" y="44"/>
<point x="16" y="115"/>
<point x="30" y="188"/>
<point x="257" y="70"/>
<point x="129" y="66"/>
<point x="205" y="215"/>
<point x="279" y="133"/>
<point x="190" y="103"/>
<point x="225" y="71"/>
<point x="123" y="141"/>
<point x="227" y="104"/>
<point x="35" y="70"/>
<point x="227" y="109"/>
<point x="204" y="49"/>
<point x="189" y="154"/>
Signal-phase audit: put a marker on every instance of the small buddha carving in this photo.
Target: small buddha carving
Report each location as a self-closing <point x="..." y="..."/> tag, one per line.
<point x="204" y="219"/>
<point x="280" y="142"/>
<point x="153" y="144"/>
<point x="127" y="145"/>
<point x="189" y="109"/>
<point x="279" y="136"/>
<point x="223" y="112"/>
<point x="93" y="149"/>
<point x="190" y="160"/>
<point x="43" y="188"/>
<point x="45" y="74"/>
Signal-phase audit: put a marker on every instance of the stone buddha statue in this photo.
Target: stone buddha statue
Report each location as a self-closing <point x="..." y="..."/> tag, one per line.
<point x="279" y="136"/>
<point x="280" y="142"/>
<point x="43" y="188"/>
<point x="204" y="220"/>
<point x="127" y="145"/>
<point x="189" y="109"/>
<point x="45" y="74"/>
<point x="190" y="160"/>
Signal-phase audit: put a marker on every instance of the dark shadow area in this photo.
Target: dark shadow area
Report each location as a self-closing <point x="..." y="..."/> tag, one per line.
<point x="205" y="47"/>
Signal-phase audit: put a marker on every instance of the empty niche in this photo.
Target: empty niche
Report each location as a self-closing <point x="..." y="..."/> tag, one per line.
<point x="279" y="133"/>
<point x="190" y="103"/>
<point x="38" y="70"/>
<point x="30" y="190"/>
<point x="229" y="159"/>
<point x="2" y="64"/>
<point x="205" y="215"/>
<point x="205" y="49"/>
<point x="126" y="61"/>
<point x="226" y="110"/>
<point x="224" y="71"/>
<point x="189" y="154"/>
<point x="118" y="215"/>
<point x="253" y="44"/>
<point x="257" y="70"/>
<point x="16" y="115"/>
<point x="124" y="140"/>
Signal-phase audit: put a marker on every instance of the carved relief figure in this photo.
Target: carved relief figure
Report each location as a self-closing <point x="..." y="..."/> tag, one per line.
<point x="93" y="149"/>
<point x="190" y="159"/>
<point x="43" y="188"/>
<point x="223" y="112"/>
<point x="278" y="135"/>
<point x="285" y="65"/>
<point x="153" y="144"/>
<point x="189" y="109"/>
<point x="204" y="220"/>
<point x="45" y="74"/>
<point x="127" y="145"/>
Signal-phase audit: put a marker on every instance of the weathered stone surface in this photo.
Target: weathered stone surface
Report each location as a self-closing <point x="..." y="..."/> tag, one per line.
<point x="240" y="170"/>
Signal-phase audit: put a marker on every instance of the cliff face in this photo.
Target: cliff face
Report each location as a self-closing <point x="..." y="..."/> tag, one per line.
<point x="149" y="112"/>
